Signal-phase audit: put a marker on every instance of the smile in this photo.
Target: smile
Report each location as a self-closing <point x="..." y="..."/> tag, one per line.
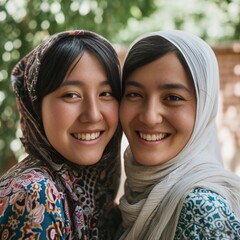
<point x="86" y="136"/>
<point x="153" y="137"/>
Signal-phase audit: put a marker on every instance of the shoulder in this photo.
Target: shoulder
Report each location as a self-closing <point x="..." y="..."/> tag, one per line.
<point x="31" y="185"/>
<point x="30" y="180"/>
<point x="204" y="200"/>
<point x="207" y="214"/>
<point x="32" y="200"/>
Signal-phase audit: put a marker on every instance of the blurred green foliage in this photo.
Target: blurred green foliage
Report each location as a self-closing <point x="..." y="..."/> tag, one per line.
<point x="216" y="21"/>
<point x="25" y="23"/>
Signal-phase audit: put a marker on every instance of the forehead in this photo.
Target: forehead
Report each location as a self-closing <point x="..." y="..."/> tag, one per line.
<point x="164" y="70"/>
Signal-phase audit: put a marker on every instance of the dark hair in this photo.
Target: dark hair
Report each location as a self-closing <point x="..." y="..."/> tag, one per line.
<point x="58" y="59"/>
<point x="148" y="50"/>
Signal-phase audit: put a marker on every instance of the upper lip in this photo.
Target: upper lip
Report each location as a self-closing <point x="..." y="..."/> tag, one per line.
<point x="151" y="132"/>
<point x="88" y="131"/>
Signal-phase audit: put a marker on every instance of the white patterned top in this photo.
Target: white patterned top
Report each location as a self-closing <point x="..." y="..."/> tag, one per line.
<point x="206" y="215"/>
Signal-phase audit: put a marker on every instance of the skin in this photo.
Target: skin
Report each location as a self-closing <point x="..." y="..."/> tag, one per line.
<point x="81" y="116"/>
<point x="158" y="110"/>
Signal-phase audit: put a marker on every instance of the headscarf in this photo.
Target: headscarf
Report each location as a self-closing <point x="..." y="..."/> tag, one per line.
<point x="91" y="188"/>
<point x="154" y="195"/>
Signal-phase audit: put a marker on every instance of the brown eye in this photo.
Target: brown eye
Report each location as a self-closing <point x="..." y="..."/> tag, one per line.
<point x="106" y="94"/>
<point x="133" y="95"/>
<point x="174" y="98"/>
<point x="70" y="95"/>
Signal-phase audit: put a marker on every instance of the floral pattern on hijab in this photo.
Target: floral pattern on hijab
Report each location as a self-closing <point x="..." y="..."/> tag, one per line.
<point x="79" y="198"/>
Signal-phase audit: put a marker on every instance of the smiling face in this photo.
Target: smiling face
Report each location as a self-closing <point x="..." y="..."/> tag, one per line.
<point x="81" y="116"/>
<point x="158" y="110"/>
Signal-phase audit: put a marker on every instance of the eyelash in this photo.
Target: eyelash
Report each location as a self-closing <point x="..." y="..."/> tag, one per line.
<point x="174" y="98"/>
<point x="71" y="95"/>
<point x="106" y="94"/>
<point x="132" y="95"/>
<point x="170" y="99"/>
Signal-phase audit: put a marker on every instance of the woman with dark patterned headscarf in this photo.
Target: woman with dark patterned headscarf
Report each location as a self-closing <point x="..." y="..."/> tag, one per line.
<point x="68" y="91"/>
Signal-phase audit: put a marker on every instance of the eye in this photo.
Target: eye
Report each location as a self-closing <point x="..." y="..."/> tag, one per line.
<point x="132" y="95"/>
<point x="174" y="98"/>
<point x="71" y="96"/>
<point x="106" y="94"/>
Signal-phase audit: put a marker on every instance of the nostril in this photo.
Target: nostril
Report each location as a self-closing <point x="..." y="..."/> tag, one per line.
<point x="91" y="114"/>
<point x="151" y="117"/>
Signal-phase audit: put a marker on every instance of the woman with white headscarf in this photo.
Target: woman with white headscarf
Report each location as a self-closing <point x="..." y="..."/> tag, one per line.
<point x="176" y="186"/>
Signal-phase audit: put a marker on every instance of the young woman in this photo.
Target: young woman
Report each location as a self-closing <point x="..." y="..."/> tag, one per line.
<point x="176" y="186"/>
<point x="68" y="94"/>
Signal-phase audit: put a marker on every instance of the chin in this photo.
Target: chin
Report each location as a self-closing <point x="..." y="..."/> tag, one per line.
<point x="148" y="160"/>
<point x="90" y="160"/>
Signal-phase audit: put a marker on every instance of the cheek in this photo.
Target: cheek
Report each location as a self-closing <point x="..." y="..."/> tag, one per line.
<point x="192" y="118"/>
<point x="113" y="112"/>
<point x="122" y="114"/>
<point x="54" y="118"/>
<point x="186" y="121"/>
<point x="129" y="110"/>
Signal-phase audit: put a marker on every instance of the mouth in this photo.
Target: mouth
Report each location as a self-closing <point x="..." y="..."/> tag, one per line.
<point x="87" y="136"/>
<point x="153" y="137"/>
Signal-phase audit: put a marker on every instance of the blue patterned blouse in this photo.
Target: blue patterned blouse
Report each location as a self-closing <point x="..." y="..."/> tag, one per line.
<point x="32" y="208"/>
<point x="206" y="215"/>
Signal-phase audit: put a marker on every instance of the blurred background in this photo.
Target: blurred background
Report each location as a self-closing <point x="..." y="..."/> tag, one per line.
<point x="26" y="23"/>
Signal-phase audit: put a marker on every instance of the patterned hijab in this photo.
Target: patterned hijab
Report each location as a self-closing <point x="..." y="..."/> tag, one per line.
<point x="90" y="188"/>
<point x="154" y="195"/>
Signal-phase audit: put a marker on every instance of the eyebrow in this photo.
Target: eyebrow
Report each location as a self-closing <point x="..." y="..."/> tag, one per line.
<point x="160" y="87"/>
<point x="79" y="83"/>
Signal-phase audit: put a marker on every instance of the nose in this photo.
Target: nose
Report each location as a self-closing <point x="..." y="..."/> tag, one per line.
<point x="91" y="112"/>
<point x="151" y="113"/>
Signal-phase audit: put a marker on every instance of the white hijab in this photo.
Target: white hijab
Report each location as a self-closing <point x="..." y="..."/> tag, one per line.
<point x="154" y="195"/>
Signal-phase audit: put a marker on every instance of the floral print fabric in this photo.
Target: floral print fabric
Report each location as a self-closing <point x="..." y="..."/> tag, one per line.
<point x="46" y="196"/>
<point x="206" y="215"/>
<point x="32" y="208"/>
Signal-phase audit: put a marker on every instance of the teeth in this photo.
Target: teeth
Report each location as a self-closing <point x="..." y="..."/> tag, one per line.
<point x="152" y="137"/>
<point x="86" y="136"/>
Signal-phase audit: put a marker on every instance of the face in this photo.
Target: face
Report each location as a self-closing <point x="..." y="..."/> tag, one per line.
<point x="158" y="110"/>
<point x="81" y="116"/>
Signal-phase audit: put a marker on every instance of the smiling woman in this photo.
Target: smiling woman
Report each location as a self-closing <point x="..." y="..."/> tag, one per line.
<point x="86" y="98"/>
<point x="68" y="93"/>
<point x="176" y="186"/>
<point x="158" y="110"/>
